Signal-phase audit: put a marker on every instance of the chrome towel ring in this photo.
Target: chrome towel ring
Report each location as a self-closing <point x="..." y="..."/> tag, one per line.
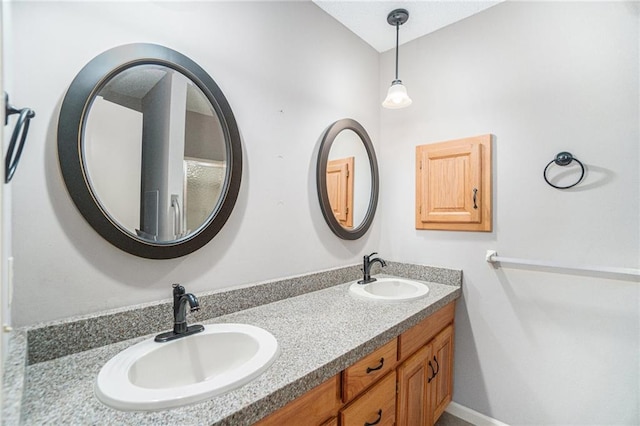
<point x="564" y="159"/>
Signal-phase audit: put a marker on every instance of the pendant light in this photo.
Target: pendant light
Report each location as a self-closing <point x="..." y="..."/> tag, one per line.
<point x="397" y="95"/>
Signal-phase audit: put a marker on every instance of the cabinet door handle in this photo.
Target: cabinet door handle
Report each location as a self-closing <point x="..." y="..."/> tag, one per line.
<point x="433" y="371"/>
<point x="376" y="421"/>
<point x="437" y="366"/>
<point x="475" y="194"/>
<point x="370" y="369"/>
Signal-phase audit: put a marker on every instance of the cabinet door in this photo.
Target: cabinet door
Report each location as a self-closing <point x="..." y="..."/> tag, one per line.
<point x="450" y="176"/>
<point x="442" y="384"/>
<point x="453" y="185"/>
<point x="340" y="189"/>
<point x="413" y="399"/>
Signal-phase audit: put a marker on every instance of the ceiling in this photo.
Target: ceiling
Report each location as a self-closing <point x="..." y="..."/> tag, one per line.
<point x="368" y="18"/>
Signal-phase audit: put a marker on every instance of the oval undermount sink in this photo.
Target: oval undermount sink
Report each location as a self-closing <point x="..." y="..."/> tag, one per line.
<point x="390" y="290"/>
<point x="153" y="376"/>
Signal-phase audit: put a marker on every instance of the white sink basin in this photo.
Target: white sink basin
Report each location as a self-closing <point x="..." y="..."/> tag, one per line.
<point x="390" y="290"/>
<point x="155" y="376"/>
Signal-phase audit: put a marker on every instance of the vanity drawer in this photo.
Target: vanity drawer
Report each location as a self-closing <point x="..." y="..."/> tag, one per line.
<point x="316" y="407"/>
<point x="376" y="406"/>
<point x="368" y="370"/>
<point x="419" y="335"/>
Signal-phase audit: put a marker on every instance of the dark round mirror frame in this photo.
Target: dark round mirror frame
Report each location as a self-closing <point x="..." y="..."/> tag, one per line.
<point x="321" y="178"/>
<point x="75" y="107"/>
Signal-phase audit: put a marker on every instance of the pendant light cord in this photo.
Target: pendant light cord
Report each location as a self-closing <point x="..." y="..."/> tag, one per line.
<point x="397" y="41"/>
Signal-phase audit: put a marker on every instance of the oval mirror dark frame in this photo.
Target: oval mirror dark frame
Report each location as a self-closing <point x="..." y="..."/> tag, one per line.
<point x="328" y="138"/>
<point x="74" y="110"/>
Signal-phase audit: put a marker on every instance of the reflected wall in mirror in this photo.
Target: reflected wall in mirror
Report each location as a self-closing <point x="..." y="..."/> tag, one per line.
<point x="150" y="150"/>
<point x="347" y="179"/>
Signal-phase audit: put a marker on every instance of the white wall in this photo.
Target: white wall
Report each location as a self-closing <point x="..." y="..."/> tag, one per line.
<point x="288" y="71"/>
<point x="532" y="347"/>
<point x="5" y="193"/>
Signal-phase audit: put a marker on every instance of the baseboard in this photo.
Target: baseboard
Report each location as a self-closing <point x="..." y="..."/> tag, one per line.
<point x="471" y="416"/>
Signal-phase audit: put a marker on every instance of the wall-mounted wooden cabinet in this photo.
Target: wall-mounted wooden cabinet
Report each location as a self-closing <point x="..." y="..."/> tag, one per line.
<point x="407" y="381"/>
<point x="453" y="185"/>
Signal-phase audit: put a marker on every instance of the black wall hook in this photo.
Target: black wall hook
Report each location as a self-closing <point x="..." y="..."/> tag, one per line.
<point x="564" y="159"/>
<point x="20" y="131"/>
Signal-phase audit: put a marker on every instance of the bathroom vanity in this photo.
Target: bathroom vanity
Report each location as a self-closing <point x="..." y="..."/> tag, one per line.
<point x="328" y="340"/>
<point x="407" y="381"/>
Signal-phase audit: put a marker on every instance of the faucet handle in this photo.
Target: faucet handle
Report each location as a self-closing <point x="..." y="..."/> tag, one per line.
<point x="372" y="254"/>
<point x="178" y="290"/>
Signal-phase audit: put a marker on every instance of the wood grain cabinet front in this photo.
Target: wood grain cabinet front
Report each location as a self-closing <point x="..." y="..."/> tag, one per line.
<point x="419" y="335"/>
<point x="453" y="185"/>
<point x="376" y="407"/>
<point x="408" y="382"/>
<point x="425" y="381"/>
<point x="314" y="408"/>
<point x="413" y="401"/>
<point x="442" y="382"/>
<point x="368" y="370"/>
<point x="331" y="422"/>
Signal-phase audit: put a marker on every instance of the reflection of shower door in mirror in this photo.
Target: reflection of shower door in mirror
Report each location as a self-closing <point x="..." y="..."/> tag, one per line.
<point x="203" y="180"/>
<point x="340" y="189"/>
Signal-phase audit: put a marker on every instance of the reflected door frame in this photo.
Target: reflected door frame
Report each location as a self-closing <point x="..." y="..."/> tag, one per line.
<point x="340" y="174"/>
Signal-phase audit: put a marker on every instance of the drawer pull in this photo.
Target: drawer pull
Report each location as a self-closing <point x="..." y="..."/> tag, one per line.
<point x="377" y="420"/>
<point x="369" y="369"/>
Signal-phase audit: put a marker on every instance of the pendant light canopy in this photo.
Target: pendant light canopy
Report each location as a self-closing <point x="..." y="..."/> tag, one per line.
<point x="397" y="95"/>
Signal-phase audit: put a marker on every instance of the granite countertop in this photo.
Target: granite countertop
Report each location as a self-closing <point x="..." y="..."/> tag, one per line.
<point x="320" y="333"/>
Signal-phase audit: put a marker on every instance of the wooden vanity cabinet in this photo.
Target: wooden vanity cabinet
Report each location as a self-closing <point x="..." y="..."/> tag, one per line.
<point x="413" y="403"/>
<point x="376" y="406"/>
<point x="332" y="422"/>
<point x="369" y="370"/>
<point x="425" y="381"/>
<point x="408" y="381"/>
<point x="318" y="407"/>
<point x="425" y="376"/>
<point x="419" y="335"/>
<point x="442" y="383"/>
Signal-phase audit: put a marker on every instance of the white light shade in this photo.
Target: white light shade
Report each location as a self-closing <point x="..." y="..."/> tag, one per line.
<point x="397" y="96"/>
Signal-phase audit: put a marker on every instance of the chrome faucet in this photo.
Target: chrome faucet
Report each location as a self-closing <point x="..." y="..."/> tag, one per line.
<point x="180" y="329"/>
<point x="366" y="268"/>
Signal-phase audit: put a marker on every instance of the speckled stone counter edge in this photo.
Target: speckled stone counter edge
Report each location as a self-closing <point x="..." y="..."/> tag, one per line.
<point x="53" y="340"/>
<point x="13" y="378"/>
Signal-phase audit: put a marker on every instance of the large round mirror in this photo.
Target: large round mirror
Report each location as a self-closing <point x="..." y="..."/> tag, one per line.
<point x="150" y="150"/>
<point x="347" y="179"/>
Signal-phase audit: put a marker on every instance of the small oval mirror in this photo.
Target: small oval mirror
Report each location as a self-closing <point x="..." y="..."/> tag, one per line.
<point x="347" y="179"/>
<point x="149" y="150"/>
